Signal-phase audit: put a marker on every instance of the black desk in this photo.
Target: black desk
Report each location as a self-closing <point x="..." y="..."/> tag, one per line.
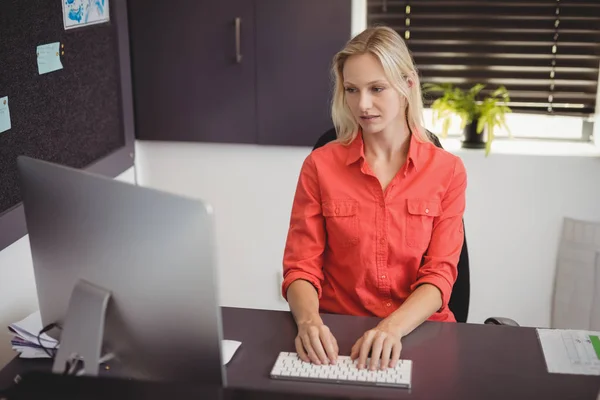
<point x="450" y="361"/>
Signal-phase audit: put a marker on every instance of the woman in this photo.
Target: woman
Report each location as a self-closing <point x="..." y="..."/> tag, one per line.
<point x="376" y="224"/>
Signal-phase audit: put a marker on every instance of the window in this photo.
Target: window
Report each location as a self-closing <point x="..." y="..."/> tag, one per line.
<point x="545" y="52"/>
<point x="523" y="125"/>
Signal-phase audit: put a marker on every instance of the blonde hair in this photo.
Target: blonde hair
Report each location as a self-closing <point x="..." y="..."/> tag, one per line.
<point x="393" y="54"/>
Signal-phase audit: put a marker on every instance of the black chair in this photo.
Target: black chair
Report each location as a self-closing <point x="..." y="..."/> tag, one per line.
<point x="461" y="291"/>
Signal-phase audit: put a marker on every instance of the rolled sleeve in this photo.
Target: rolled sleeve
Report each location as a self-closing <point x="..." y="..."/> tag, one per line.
<point x="440" y="262"/>
<point x="305" y="243"/>
<point x="295" y="275"/>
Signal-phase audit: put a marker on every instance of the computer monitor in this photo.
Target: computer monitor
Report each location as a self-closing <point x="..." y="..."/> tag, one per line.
<point x="141" y="258"/>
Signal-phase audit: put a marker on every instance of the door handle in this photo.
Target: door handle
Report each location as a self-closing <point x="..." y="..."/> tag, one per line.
<point x="238" y="34"/>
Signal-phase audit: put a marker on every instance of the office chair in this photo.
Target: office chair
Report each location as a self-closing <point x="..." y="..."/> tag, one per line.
<point x="461" y="291"/>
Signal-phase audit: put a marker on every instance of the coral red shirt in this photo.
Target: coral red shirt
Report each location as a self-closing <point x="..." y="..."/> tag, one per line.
<point x="365" y="250"/>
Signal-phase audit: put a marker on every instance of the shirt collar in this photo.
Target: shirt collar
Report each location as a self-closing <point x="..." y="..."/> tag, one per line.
<point x="414" y="150"/>
<point x="356" y="151"/>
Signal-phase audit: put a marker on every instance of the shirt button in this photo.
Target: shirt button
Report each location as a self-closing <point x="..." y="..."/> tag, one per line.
<point x="427" y="211"/>
<point x="382" y="276"/>
<point x="337" y="211"/>
<point x="389" y="304"/>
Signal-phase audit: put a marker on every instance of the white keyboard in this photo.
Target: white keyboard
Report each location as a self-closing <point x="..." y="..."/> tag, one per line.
<point x="289" y="367"/>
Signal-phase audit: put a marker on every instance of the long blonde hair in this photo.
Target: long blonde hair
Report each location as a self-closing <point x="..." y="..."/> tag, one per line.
<point x="393" y="54"/>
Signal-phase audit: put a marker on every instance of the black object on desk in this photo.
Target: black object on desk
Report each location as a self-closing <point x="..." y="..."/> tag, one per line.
<point x="450" y="360"/>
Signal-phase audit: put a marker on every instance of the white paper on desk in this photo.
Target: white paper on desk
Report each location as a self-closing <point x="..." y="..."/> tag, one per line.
<point x="569" y="351"/>
<point x="30" y="352"/>
<point x="228" y="349"/>
<point x="29" y="327"/>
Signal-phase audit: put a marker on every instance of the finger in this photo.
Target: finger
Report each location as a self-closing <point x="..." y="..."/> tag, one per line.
<point x="364" y="350"/>
<point x="356" y="349"/>
<point x="300" y="350"/>
<point x="309" y="350"/>
<point x="376" y="352"/>
<point x="336" y="347"/>
<point x="315" y="341"/>
<point x="329" y="345"/>
<point x="386" y="353"/>
<point x="395" y="354"/>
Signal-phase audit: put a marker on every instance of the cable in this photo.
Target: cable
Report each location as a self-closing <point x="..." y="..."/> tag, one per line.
<point x="72" y="364"/>
<point x="107" y="357"/>
<point x="73" y="367"/>
<point x="51" y="352"/>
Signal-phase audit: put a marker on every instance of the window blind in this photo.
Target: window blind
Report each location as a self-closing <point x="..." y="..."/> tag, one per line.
<point x="545" y="52"/>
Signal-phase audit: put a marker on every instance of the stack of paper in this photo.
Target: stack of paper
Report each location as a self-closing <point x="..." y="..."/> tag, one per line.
<point x="25" y="340"/>
<point x="569" y="351"/>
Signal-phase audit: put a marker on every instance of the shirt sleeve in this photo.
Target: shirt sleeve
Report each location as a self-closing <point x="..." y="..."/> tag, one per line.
<point x="303" y="254"/>
<point x="439" y="266"/>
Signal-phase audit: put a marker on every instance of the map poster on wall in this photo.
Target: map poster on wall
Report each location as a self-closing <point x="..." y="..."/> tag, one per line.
<point x="78" y="13"/>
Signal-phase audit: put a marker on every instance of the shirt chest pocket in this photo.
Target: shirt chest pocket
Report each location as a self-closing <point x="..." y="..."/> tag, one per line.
<point x="341" y="220"/>
<point x="419" y="221"/>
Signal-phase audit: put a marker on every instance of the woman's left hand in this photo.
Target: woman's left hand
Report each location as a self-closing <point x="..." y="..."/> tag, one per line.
<point x="383" y="343"/>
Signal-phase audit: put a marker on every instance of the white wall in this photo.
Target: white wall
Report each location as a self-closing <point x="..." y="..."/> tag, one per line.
<point x="359" y="17"/>
<point x="514" y="213"/>
<point x="596" y="131"/>
<point x="251" y="189"/>
<point x="515" y="208"/>
<point x="18" y="296"/>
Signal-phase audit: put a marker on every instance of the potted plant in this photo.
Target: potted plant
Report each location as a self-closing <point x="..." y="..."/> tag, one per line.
<point x="479" y="118"/>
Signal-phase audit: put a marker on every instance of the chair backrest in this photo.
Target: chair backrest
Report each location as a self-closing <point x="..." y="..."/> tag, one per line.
<point x="461" y="291"/>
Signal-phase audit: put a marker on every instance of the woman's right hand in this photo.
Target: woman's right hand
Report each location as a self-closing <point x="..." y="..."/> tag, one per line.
<point x="315" y="343"/>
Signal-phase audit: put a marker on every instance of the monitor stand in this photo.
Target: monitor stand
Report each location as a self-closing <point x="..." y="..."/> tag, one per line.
<point x="83" y="331"/>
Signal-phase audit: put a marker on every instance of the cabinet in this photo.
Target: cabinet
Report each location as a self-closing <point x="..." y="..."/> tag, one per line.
<point x="235" y="71"/>
<point x="187" y="83"/>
